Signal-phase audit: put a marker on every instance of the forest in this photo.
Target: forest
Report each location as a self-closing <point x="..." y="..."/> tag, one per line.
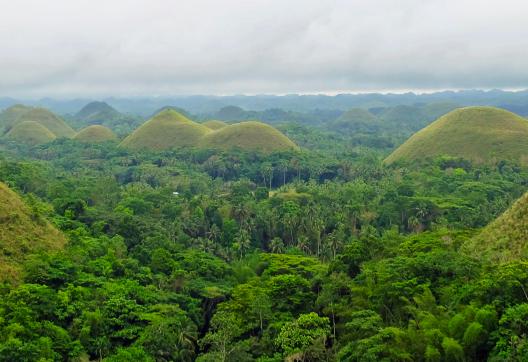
<point x="321" y="252"/>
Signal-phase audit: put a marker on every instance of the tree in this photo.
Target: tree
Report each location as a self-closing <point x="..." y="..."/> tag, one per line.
<point x="221" y="338"/>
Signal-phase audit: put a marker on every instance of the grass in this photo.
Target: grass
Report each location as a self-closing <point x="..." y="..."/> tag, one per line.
<point x="214" y="124"/>
<point x="22" y="233"/>
<point x="167" y="129"/>
<point x="30" y="132"/>
<point x="484" y="135"/>
<point x="49" y="120"/>
<point x="355" y="120"/>
<point x="249" y="135"/>
<point x="506" y="238"/>
<point x="95" y="134"/>
<point x="96" y="111"/>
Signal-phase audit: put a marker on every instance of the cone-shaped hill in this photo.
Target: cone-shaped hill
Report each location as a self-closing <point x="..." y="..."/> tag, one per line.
<point x="22" y="233"/>
<point x="95" y="134"/>
<point x="31" y="133"/>
<point x="10" y="115"/>
<point x="355" y="120"/>
<point x="49" y="120"/>
<point x="97" y="112"/>
<point x="214" y="124"/>
<point x="482" y="134"/>
<point x="504" y="239"/>
<point x="167" y="129"/>
<point x="251" y="135"/>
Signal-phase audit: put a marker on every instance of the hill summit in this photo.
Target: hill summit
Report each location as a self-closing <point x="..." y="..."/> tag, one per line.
<point x="95" y="134"/>
<point x="250" y="135"/>
<point x="97" y="112"/>
<point x="483" y="135"/>
<point x="30" y="132"/>
<point x="22" y="233"/>
<point x="48" y="119"/>
<point x="167" y="129"/>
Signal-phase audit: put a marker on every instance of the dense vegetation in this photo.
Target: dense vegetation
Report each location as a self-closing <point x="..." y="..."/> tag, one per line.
<point x="318" y="254"/>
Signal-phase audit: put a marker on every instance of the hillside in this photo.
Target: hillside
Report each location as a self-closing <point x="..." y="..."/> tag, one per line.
<point x="10" y="115"/>
<point x="506" y="238"/>
<point x="481" y="134"/>
<point x="49" y="120"/>
<point x="30" y="132"/>
<point x="21" y="234"/>
<point x="214" y="124"/>
<point x="167" y="129"/>
<point x="249" y="135"/>
<point x="94" y="134"/>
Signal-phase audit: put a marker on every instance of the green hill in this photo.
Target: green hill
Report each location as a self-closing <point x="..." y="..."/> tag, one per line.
<point x="355" y="120"/>
<point x="506" y="238"/>
<point x="214" y="124"/>
<point x="22" y="233"/>
<point x="167" y="129"/>
<point x="482" y="134"/>
<point x="30" y="132"/>
<point x="9" y="116"/>
<point x="249" y="135"/>
<point x="49" y="120"/>
<point x="94" y="134"/>
<point x="97" y="113"/>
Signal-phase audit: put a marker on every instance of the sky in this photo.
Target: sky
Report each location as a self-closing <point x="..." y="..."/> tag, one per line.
<point x="75" y="48"/>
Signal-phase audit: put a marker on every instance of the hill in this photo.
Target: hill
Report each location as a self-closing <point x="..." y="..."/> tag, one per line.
<point x="94" y="134"/>
<point x="355" y="120"/>
<point x="97" y="113"/>
<point x="249" y="135"/>
<point x="10" y="115"/>
<point x="30" y="132"/>
<point x="214" y="124"/>
<point x="481" y="134"/>
<point x="22" y="233"/>
<point x="167" y="129"/>
<point x="506" y="238"/>
<point x="49" y="120"/>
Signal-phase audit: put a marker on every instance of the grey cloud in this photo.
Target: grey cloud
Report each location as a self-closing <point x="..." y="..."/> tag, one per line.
<point x="161" y="47"/>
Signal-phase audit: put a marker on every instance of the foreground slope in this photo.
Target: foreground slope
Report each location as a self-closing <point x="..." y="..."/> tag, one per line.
<point x="21" y="234"/>
<point x="506" y="238"/>
<point x="49" y="120"/>
<point x="167" y="129"/>
<point x="30" y="132"/>
<point x="95" y="134"/>
<point x="481" y="134"/>
<point x="251" y="135"/>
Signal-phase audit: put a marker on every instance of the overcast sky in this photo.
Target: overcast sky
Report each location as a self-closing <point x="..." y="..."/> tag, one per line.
<point x="70" y="48"/>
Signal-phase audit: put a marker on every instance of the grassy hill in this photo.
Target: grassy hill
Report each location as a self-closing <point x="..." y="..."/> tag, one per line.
<point x="214" y="124"/>
<point x="355" y="120"/>
<point x="10" y="115"/>
<point x="94" y="134"/>
<point x="481" y="134"/>
<point x="22" y="232"/>
<point x="249" y="135"/>
<point x="506" y="238"/>
<point x="49" y="120"/>
<point x="30" y="132"/>
<point x="167" y="129"/>
<point x="97" y="112"/>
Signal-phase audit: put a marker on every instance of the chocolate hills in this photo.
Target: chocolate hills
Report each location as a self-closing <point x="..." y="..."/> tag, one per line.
<point x="484" y="135"/>
<point x="97" y="113"/>
<point x="52" y="122"/>
<point x="9" y="115"/>
<point x="504" y="239"/>
<point x="167" y="129"/>
<point x="250" y="135"/>
<point x="356" y="120"/>
<point x="95" y="134"/>
<point x="22" y="232"/>
<point x="30" y="132"/>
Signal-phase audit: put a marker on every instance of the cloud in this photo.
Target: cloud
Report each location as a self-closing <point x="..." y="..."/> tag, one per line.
<point x="161" y="47"/>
